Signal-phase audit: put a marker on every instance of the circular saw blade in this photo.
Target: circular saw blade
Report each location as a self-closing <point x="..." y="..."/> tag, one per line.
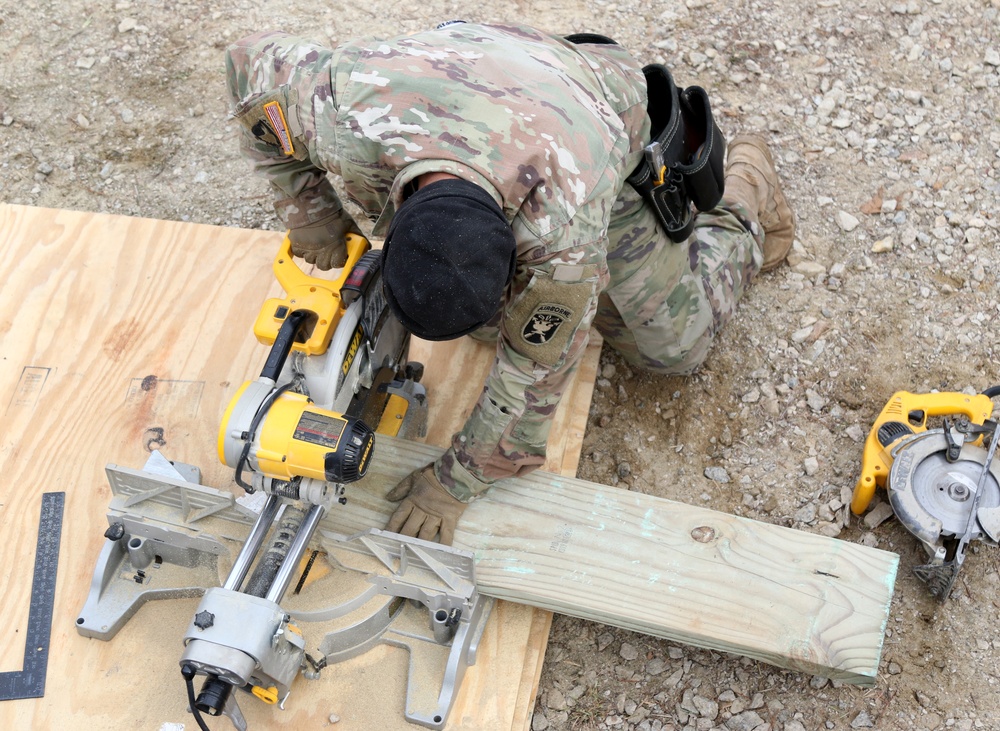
<point x="933" y="497"/>
<point x="946" y="490"/>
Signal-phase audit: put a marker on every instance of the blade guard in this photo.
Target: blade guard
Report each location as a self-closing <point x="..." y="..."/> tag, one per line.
<point x="321" y="297"/>
<point x="910" y="412"/>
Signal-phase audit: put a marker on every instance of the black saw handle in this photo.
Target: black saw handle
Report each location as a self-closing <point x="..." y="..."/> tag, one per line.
<point x="283" y="344"/>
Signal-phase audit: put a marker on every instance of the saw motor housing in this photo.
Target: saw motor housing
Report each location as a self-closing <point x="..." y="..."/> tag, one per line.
<point x="294" y="438"/>
<point x="904" y="415"/>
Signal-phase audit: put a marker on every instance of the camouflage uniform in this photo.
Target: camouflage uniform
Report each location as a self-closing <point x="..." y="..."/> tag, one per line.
<point x="551" y="130"/>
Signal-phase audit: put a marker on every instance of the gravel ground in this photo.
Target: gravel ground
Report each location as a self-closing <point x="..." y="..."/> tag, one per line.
<point x="885" y="116"/>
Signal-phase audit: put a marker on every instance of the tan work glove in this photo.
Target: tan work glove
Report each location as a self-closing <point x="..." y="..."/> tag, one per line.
<point x="323" y="243"/>
<point x="427" y="508"/>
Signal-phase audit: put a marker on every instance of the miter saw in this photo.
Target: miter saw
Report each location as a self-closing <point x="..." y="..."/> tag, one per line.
<point x="335" y="374"/>
<point x="943" y="485"/>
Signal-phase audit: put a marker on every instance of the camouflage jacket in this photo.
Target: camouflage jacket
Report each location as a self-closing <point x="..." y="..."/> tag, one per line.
<point x="550" y="129"/>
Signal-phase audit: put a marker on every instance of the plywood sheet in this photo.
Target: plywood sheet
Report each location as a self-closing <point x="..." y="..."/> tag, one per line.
<point x="121" y="335"/>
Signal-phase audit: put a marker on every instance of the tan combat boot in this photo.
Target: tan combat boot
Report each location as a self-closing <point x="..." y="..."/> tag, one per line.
<point x="752" y="180"/>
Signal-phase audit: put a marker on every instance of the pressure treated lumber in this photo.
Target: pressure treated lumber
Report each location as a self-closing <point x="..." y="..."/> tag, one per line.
<point x="519" y="633"/>
<point x="122" y="335"/>
<point x="793" y="599"/>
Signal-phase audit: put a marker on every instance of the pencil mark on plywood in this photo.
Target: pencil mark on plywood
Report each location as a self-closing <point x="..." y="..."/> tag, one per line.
<point x="154" y="438"/>
<point x="29" y="386"/>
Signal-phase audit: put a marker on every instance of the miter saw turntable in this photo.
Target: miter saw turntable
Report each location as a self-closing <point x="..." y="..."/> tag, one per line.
<point x="296" y="437"/>
<point x="943" y="485"/>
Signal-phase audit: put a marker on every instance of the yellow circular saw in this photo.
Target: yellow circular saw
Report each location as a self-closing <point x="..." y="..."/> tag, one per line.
<point x="334" y="376"/>
<point x="944" y="487"/>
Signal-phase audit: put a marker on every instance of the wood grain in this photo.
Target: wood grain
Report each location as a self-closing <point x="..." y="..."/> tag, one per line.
<point x="454" y="373"/>
<point x="120" y="335"/>
<point x="793" y="599"/>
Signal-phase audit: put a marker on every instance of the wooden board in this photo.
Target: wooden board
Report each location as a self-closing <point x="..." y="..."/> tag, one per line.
<point x="793" y="599"/>
<point x="122" y="335"/>
<point x="520" y="631"/>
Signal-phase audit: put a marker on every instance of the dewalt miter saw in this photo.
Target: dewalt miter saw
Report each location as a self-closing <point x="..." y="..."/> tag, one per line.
<point x="308" y="420"/>
<point x="944" y="487"/>
<point x="336" y="373"/>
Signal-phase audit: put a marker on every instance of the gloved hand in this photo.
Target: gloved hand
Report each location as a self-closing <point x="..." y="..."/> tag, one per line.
<point x="323" y="243"/>
<point x="427" y="508"/>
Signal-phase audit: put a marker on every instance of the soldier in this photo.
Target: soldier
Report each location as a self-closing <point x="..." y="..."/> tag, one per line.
<point x="494" y="160"/>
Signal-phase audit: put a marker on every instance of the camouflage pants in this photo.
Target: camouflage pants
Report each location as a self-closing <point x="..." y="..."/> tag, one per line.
<point x="666" y="301"/>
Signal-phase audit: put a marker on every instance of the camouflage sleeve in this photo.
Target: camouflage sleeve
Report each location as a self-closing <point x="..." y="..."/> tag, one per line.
<point x="260" y="74"/>
<point x="544" y="332"/>
<point x="303" y="194"/>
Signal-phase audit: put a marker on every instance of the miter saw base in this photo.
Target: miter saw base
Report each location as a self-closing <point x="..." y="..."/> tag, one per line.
<point x="168" y="536"/>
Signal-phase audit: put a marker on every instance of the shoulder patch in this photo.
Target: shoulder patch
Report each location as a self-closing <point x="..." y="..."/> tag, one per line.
<point x="544" y="322"/>
<point x="265" y="118"/>
<point x="541" y="322"/>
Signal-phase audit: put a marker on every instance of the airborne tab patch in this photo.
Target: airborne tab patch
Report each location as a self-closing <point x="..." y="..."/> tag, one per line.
<point x="544" y="323"/>
<point x="541" y="322"/>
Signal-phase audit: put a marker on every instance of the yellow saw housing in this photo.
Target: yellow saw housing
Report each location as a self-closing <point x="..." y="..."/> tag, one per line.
<point x="906" y="414"/>
<point x="294" y="438"/>
<point x="304" y="292"/>
<point x="282" y="434"/>
<point x="299" y="440"/>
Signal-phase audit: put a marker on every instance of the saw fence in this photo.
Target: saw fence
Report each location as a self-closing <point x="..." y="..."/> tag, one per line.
<point x="123" y="335"/>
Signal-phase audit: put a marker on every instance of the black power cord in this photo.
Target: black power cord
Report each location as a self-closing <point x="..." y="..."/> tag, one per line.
<point x="188" y="672"/>
<point x="255" y="422"/>
<point x="282" y="346"/>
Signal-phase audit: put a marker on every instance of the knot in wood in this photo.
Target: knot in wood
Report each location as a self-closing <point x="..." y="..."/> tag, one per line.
<point x="703" y="534"/>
